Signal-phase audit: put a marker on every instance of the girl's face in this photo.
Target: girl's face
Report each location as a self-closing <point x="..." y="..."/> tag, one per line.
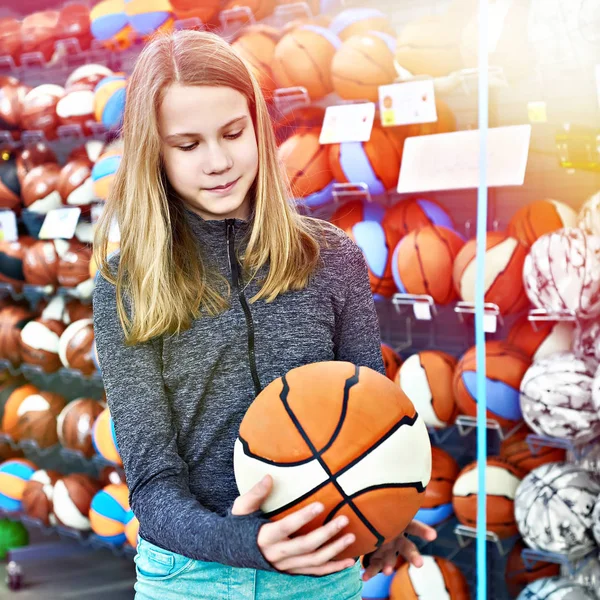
<point x="209" y="149"/>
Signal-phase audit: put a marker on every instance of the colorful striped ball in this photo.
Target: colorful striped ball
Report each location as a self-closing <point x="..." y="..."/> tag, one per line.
<point x="146" y="16"/>
<point x="108" y="513"/>
<point x="104" y="438"/>
<point x="104" y="170"/>
<point x="14" y="474"/>
<point x="110" y="24"/>
<point x="109" y="100"/>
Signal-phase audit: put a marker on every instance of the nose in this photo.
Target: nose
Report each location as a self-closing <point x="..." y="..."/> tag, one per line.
<point x="217" y="160"/>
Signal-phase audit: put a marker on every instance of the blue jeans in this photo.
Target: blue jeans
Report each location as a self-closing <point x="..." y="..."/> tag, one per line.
<point x="165" y="575"/>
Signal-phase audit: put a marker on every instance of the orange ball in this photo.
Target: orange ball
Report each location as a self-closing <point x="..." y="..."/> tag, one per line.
<point x="441" y="578"/>
<point x="537" y="218"/>
<point x="206" y="10"/>
<point x="306" y="163"/>
<point x="502" y="481"/>
<point x="414" y="213"/>
<point x="362" y="64"/>
<point x="391" y="360"/>
<point x="516" y="574"/>
<point x="505" y="366"/>
<point x="313" y="429"/>
<point x="504" y="261"/>
<point x="422" y="263"/>
<point x="260" y="8"/>
<point x="547" y="338"/>
<point x="303" y="58"/>
<point x="426" y="378"/>
<point x="256" y="46"/>
<point x="355" y="21"/>
<point x="382" y="153"/>
<point x="438" y="495"/>
<point x="515" y="450"/>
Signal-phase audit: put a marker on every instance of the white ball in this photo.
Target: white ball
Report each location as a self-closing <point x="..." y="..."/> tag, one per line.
<point x="555" y="588"/>
<point x="586" y="340"/>
<point x="587" y="573"/>
<point x="562" y="273"/>
<point x="553" y="508"/>
<point x="589" y="215"/>
<point x="556" y="397"/>
<point x="596" y="521"/>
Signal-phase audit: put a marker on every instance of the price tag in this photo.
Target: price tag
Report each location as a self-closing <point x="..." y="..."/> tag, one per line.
<point x="60" y="223"/>
<point x="8" y="226"/>
<point x="490" y="323"/>
<point x="407" y="103"/>
<point x="537" y="112"/>
<point x="450" y="161"/>
<point x="347" y="123"/>
<point x="422" y="311"/>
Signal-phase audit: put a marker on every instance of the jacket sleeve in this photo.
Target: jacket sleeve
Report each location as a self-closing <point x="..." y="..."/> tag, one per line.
<point x="357" y="336"/>
<point x="157" y="476"/>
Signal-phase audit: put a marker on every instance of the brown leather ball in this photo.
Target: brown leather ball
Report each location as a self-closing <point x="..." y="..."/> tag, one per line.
<point x="75" y="184"/>
<point x="40" y="342"/>
<point x="40" y="189"/>
<point x="73" y="267"/>
<point x="75" y="422"/>
<point x="12" y="321"/>
<point x="38" y="110"/>
<point x="32" y="156"/>
<point x="11" y="261"/>
<point x="36" y="418"/>
<point x="12" y="94"/>
<point x="76" y="310"/>
<point x="40" y="263"/>
<point x="10" y="38"/>
<point x="73" y="496"/>
<point x="39" y="32"/>
<point x="37" y="495"/>
<point x="76" y="346"/>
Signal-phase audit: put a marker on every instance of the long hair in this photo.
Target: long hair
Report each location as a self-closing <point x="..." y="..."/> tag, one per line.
<point x="160" y="270"/>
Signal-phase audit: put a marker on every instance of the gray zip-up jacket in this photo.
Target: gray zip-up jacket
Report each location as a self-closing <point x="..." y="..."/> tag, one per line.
<point x="177" y="402"/>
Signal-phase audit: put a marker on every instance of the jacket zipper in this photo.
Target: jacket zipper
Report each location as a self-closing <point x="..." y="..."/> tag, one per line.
<point x="234" y="267"/>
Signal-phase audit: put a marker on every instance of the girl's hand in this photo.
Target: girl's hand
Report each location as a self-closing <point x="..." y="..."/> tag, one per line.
<point x="308" y="554"/>
<point x="385" y="557"/>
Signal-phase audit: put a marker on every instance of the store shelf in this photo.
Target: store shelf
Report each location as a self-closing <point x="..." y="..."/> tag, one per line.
<point x="84" y="538"/>
<point x="466" y="535"/>
<point x="578" y="450"/>
<point x="74" y="460"/>
<point x="572" y="563"/>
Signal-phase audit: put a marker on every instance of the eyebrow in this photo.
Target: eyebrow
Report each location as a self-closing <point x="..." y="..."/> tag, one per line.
<point x="174" y="136"/>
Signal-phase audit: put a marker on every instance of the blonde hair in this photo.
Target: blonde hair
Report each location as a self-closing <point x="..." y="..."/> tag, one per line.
<point x="160" y="270"/>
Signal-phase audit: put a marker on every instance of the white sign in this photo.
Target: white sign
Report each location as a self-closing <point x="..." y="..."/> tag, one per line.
<point x="407" y="103"/>
<point x="450" y="161"/>
<point x="8" y="226"/>
<point x="347" y="123"/>
<point x="60" y="223"/>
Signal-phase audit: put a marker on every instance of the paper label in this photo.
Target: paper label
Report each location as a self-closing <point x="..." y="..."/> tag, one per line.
<point x="347" y="123"/>
<point x="407" y="103"/>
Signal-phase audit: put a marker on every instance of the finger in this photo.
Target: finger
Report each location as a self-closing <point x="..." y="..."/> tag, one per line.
<point x="272" y="533"/>
<point x="251" y="501"/>
<point x="389" y="561"/>
<point x="318" y="558"/>
<point x="421" y="530"/>
<point x="308" y="543"/>
<point x="410" y="552"/>
<point x="374" y="567"/>
<point x="326" y="569"/>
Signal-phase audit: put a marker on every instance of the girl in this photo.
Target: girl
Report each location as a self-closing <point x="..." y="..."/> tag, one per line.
<point x="219" y="287"/>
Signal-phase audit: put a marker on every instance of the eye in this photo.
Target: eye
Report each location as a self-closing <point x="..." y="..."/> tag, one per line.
<point x="188" y="147"/>
<point x="234" y="136"/>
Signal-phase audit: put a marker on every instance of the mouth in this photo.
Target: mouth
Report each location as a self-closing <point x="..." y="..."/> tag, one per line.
<point x="223" y="188"/>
